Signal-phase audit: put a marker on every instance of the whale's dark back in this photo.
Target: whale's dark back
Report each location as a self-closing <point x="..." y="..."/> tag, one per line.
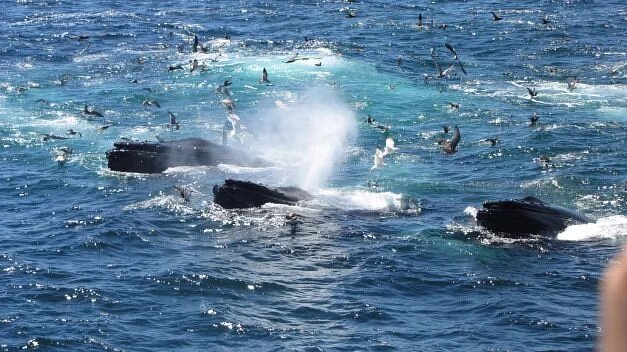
<point x="529" y="215"/>
<point x="245" y="194"/>
<point x="149" y="157"/>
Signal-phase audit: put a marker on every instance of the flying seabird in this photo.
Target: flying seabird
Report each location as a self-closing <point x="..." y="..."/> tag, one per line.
<point x="195" y="45"/>
<point x="173" y="123"/>
<point x="389" y="146"/>
<point x="452" y="50"/>
<point x="228" y="103"/>
<point x="148" y="102"/>
<point x="495" y="16"/>
<point x="292" y="59"/>
<point x="441" y="74"/>
<point x="532" y="93"/>
<point x="264" y="76"/>
<point x="378" y="158"/>
<point x="451" y="146"/>
<point x="234" y="120"/>
<point x="183" y="191"/>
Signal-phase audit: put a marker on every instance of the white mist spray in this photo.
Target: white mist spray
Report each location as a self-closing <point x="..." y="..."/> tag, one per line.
<point x="307" y="137"/>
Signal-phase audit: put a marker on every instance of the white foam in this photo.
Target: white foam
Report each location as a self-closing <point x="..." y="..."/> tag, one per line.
<point x="472" y="211"/>
<point x="359" y="200"/>
<point x="610" y="227"/>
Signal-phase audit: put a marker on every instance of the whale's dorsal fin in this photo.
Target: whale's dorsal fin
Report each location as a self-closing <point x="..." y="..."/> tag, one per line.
<point x="532" y="199"/>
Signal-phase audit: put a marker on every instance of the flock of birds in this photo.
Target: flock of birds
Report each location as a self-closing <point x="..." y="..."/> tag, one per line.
<point x="448" y="146"/>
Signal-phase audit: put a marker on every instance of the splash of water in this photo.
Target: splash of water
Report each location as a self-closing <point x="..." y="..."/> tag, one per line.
<point x="307" y="137"/>
<point x="610" y="227"/>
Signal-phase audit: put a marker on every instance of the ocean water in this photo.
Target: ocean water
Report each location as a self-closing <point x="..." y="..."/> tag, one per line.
<point x="92" y="259"/>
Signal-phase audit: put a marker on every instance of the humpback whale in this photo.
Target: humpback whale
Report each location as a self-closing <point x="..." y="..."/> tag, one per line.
<point x="235" y="194"/>
<point x="156" y="157"/>
<point x="520" y="217"/>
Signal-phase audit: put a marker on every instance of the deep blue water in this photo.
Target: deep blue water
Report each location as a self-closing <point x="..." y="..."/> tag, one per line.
<point x="97" y="260"/>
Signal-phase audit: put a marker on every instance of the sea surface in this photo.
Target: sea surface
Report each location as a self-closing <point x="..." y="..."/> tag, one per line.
<point x="388" y="259"/>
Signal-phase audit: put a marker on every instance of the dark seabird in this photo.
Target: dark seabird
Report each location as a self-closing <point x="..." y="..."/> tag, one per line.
<point x="454" y="106"/>
<point x="383" y="128"/>
<point x="420" y="21"/>
<point x="450" y="147"/>
<point x="103" y="128"/>
<point x="452" y="50"/>
<point x="195" y="45"/>
<point x="227" y="83"/>
<point x="264" y="76"/>
<point x="492" y="141"/>
<point x="495" y="16"/>
<point x="534" y="118"/>
<point x="62" y="155"/>
<point x="141" y="60"/>
<point x="532" y="93"/>
<point x="351" y="14"/>
<point x="71" y="132"/>
<point x="370" y="119"/>
<point x="446" y="128"/>
<point x="175" y="67"/>
<point x="545" y="19"/>
<point x="197" y="66"/>
<point x="444" y="26"/>
<point x="151" y="103"/>
<point x="183" y="191"/>
<point x="62" y="80"/>
<point x="441" y="74"/>
<point x="48" y="137"/>
<point x="318" y="64"/>
<point x="173" y="123"/>
<point x="86" y="111"/>
<point x="42" y="101"/>
<point x="134" y="81"/>
<point x="223" y="89"/>
<point x="79" y="37"/>
<point x="399" y="61"/>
